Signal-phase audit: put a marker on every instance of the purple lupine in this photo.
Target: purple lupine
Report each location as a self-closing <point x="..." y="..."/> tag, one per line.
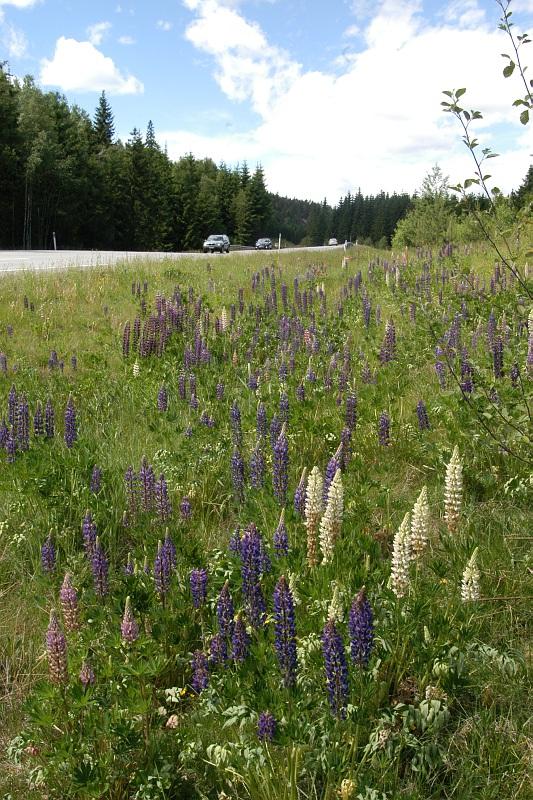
<point x="87" y="676"/>
<point x="200" y="671"/>
<point x="336" y="669"/>
<point x="194" y="402"/>
<point x="38" y="421"/>
<point x="3" y="363"/>
<point x="284" y="407"/>
<point x="49" y="426"/>
<point x="240" y="641"/>
<point x="280" y="467"/>
<point x="384" y="429"/>
<point x="71" y="433"/>
<point x="161" y="571"/>
<point x="4" y="433"/>
<point x="11" y="446"/>
<point x="96" y="480"/>
<point x="198" y="584"/>
<point x="275" y="429"/>
<point x="497" y="357"/>
<point x="422" y="414"/>
<point x="234" y="545"/>
<point x="257" y="466"/>
<point x="300" y="393"/>
<point x="266" y="726"/>
<point x="169" y="549"/>
<point x="12" y="405"/>
<point x="285" y="632"/>
<point x="236" y="430"/>
<point x="23" y="423"/>
<point x="68" y="598"/>
<point x="129" y="567"/>
<point x="182" y="386"/>
<point x="185" y="508"/>
<point x="126" y="340"/>
<point x="220" y="391"/>
<point x="345" y="448"/>
<point x="281" y="539"/>
<point x="514" y="374"/>
<point x="330" y="472"/>
<point x="218" y="650"/>
<point x="441" y="373"/>
<point x="262" y="422"/>
<point x="237" y="475"/>
<point x="56" y="648"/>
<point x="100" y="569"/>
<point x="467" y="384"/>
<point x="162" y="501"/>
<point x="361" y="629"/>
<point x="299" y="494"/>
<point x="48" y="555"/>
<point x="88" y="532"/>
<point x="129" y="627"/>
<point x="146" y="485"/>
<point x="252" y="565"/>
<point x="162" y="399"/>
<point x="225" y="612"/>
<point x="350" y="414"/>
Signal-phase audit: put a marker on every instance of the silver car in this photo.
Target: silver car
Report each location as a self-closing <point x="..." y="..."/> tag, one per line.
<point x="216" y="243"/>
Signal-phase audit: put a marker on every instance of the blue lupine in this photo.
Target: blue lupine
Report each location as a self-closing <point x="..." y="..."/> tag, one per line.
<point x="422" y="414"/>
<point x="162" y="501"/>
<point x="497" y="357"/>
<point x="350" y="417"/>
<point x="252" y="564"/>
<point x="89" y="533"/>
<point x="237" y="475"/>
<point x="361" y="629"/>
<point x="266" y="726"/>
<point x="23" y="423"/>
<point x="162" y="399"/>
<point x="240" y="641"/>
<point x="280" y="539"/>
<point x="198" y="583"/>
<point x="169" y="549"/>
<point x="218" y="649"/>
<point x="96" y="480"/>
<point x="185" y="508"/>
<point x="285" y="632"/>
<point x="200" y="671"/>
<point x="71" y="433"/>
<point x="384" y="429"/>
<point x="146" y="485"/>
<point x="257" y="466"/>
<point x="100" y="569"/>
<point x="236" y="430"/>
<point x="336" y="669"/>
<point x="162" y="571"/>
<point x="262" y="423"/>
<point x="225" y="612"/>
<point x="299" y="494"/>
<point x="48" y="555"/>
<point x="330" y="472"/>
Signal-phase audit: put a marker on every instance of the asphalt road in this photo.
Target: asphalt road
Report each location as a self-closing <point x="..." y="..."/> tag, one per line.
<point x="43" y="260"/>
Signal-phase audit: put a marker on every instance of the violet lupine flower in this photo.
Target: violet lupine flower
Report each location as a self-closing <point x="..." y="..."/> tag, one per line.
<point x="146" y="485"/>
<point x="220" y="391"/>
<point x="11" y="446"/>
<point x="467" y="385"/>
<point x="300" y="393"/>
<point x="350" y="415"/>
<point x="185" y="508"/>
<point x="257" y="466"/>
<point x="71" y="433"/>
<point x="194" y="402"/>
<point x="182" y="386"/>
<point x="280" y="467"/>
<point x="23" y="423"/>
<point x="266" y="726"/>
<point x="129" y="627"/>
<point x="3" y="363"/>
<point x="441" y="373"/>
<point x="170" y="550"/>
<point x="4" y="433"/>
<point x="12" y="405"/>
<point x="56" y="648"/>
<point x="284" y="407"/>
<point x="200" y="671"/>
<point x="384" y="429"/>
<point x="87" y="676"/>
<point x="198" y="583"/>
<point x="161" y="571"/>
<point x="237" y="475"/>
<point x="89" y="533"/>
<point x="497" y="357"/>
<point x="275" y="430"/>
<point x="100" y="568"/>
<point x="234" y="545"/>
<point x="252" y="565"/>
<point x="240" y="641"/>
<point x="129" y="567"/>
<point x="225" y="612"/>
<point x="48" y="555"/>
<point x="162" y="502"/>
<point x="188" y="432"/>
<point x="162" y="399"/>
<point x="336" y="669"/>
<point x="300" y="493"/>
<point x="514" y="374"/>
<point x="236" y="430"/>
<point x="68" y="598"/>
<point x="361" y="629"/>
<point x="262" y="423"/>
<point x="329" y="474"/>
<point x="281" y="540"/>
<point x="285" y="632"/>
<point x="49" y="426"/>
<point x="218" y="650"/>
<point x="126" y="340"/>
<point x="422" y="414"/>
<point x="96" y="480"/>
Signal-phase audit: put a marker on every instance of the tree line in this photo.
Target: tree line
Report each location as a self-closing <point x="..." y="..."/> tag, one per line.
<point x="65" y="173"/>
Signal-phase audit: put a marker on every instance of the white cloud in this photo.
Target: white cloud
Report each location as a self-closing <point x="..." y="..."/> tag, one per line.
<point x="464" y="13"/>
<point x="378" y="124"/>
<point x="79" y="66"/>
<point x="97" y="32"/>
<point x="164" y="25"/>
<point x="13" y="39"/>
<point x="351" y="31"/>
<point x="126" y="40"/>
<point x="19" y="3"/>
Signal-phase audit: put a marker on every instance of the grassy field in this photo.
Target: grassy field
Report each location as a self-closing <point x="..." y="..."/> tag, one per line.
<point x="440" y="710"/>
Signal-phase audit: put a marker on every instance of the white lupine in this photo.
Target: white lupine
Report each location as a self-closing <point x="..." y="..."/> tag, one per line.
<point x="335" y="610"/>
<point x="420" y="524"/>
<point x="401" y="556"/>
<point x="136" y="370"/>
<point x="331" y="522"/>
<point x="470" y="581"/>
<point x="453" y="490"/>
<point x="313" y="512"/>
<point x="224" y="320"/>
<point x="294" y="589"/>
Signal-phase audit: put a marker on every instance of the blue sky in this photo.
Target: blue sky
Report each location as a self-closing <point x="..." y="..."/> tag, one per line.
<point x="329" y="95"/>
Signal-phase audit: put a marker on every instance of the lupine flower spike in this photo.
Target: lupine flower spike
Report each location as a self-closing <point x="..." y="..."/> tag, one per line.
<point x="69" y="604"/>
<point x="266" y="726"/>
<point x="336" y="669"/>
<point x="56" y="648"/>
<point x="281" y="542"/>
<point x="313" y="512"/>
<point x="361" y="629"/>
<point x="420" y="524"/>
<point x="331" y="522"/>
<point x="453" y="490"/>
<point x="400" y="558"/>
<point x="285" y="632"/>
<point x="129" y="627"/>
<point x="470" y="581"/>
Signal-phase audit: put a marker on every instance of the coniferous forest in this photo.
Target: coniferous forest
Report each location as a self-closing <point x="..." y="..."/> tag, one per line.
<point x="63" y="172"/>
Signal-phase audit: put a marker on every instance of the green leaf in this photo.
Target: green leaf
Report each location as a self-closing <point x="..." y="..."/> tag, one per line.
<point x="508" y="70"/>
<point x="449" y="94"/>
<point x="493" y="155"/>
<point x="524" y="117"/>
<point x="486" y="177"/>
<point x="460" y="93"/>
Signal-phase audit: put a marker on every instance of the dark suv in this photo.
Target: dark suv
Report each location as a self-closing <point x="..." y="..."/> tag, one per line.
<point x="216" y="243"/>
<point x="263" y="244"/>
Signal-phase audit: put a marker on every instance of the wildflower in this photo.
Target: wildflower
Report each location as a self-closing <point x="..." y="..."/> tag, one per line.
<point x="129" y="567"/>
<point x="280" y="541"/>
<point x="162" y="399"/>
<point x="348" y="787"/>
<point x="497" y="357"/>
<point x="220" y="391"/>
<point x="361" y="629"/>
<point x="336" y="669"/>
<point x="23" y="423"/>
<point x="420" y="524"/>
<point x="257" y="466"/>
<point x="453" y="490"/>
<point x="162" y="502"/>
<point x="96" y="480"/>
<point x="185" y="508"/>
<point x="266" y="726"/>
<point x="470" y="581"/>
<point x="48" y="555"/>
<point x="280" y="466"/>
<point x="313" y="512"/>
<point x="68" y="598"/>
<point x="136" y="369"/>
<point x="384" y="429"/>
<point x="38" y="421"/>
<point x="70" y="423"/>
<point x="401" y="555"/>
<point x="299" y="494"/>
<point x="261" y="420"/>
<point x="240" y="641"/>
<point x="335" y="610"/>
<point x="422" y="414"/>
<point x="332" y="467"/>
<point x="236" y="430"/>
<point x="331" y="522"/>
<point x="88" y="532"/>
<point x="285" y="631"/>
<point x="225" y="612"/>
<point x="100" y="569"/>
<point x="200" y="671"/>
<point x="198" y="583"/>
<point x="56" y="648"/>
<point x="252" y="565"/>
<point x="237" y="475"/>
<point x="162" y="571"/>
<point x="129" y="628"/>
<point x="87" y="677"/>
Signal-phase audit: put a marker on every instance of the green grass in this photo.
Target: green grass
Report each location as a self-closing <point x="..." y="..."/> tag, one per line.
<point x="114" y="744"/>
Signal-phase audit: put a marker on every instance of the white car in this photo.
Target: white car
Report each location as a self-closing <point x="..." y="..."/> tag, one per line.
<point x="333" y="242"/>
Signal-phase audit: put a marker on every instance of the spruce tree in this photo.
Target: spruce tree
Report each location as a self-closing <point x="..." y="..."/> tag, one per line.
<point x="103" y="125"/>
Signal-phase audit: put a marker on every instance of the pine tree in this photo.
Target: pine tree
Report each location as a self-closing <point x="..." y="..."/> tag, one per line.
<point x="103" y="125"/>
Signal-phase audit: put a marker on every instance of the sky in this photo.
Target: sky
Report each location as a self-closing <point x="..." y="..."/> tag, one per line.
<point x="327" y="95"/>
